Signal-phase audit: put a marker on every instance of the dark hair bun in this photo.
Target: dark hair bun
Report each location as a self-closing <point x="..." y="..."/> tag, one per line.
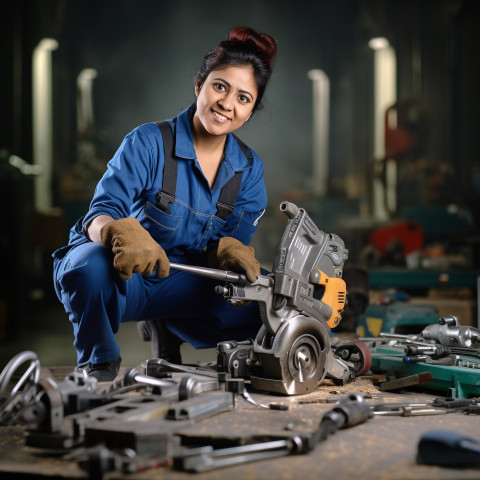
<point x="266" y="44"/>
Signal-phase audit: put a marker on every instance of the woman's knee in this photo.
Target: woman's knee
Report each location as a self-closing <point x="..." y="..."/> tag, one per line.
<point x="88" y="266"/>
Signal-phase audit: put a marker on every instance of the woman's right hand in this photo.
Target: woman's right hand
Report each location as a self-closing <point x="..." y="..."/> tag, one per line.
<point x="134" y="249"/>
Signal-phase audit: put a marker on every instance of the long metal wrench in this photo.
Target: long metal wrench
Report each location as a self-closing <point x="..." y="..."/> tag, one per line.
<point x="203" y="459"/>
<point x="160" y="365"/>
<point x="409" y="411"/>
<point x="213" y="273"/>
<point x="133" y="376"/>
<point x="345" y="414"/>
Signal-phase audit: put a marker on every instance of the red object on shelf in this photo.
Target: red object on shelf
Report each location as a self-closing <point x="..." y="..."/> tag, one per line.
<point x="408" y="233"/>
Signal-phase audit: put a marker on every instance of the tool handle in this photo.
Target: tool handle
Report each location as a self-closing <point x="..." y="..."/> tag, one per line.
<point x="289" y="209"/>
<point x="354" y="413"/>
<point x="132" y="376"/>
<point x="213" y="273"/>
<point x="447" y="448"/>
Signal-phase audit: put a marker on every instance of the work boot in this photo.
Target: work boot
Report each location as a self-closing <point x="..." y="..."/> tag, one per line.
<point x="165" y="344"/>
<point x="104" y="372"/>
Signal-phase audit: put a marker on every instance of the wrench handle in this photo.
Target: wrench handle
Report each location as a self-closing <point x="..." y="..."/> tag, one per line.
<point x="213" y="273"/>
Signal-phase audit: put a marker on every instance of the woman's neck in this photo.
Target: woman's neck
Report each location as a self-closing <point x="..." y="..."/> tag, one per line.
<point x="209" y="150"/>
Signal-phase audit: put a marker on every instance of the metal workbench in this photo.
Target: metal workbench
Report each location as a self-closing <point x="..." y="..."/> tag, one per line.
<point x="382" y="448"/>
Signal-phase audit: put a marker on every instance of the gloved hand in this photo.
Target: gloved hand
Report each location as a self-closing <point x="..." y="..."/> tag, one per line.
<point x="134" y="249"/>
<point x="234" y="255"/>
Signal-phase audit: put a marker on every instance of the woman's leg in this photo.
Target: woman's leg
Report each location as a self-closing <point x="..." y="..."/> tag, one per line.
<point x="95" y="299"/>
<point x="190" y="308"/>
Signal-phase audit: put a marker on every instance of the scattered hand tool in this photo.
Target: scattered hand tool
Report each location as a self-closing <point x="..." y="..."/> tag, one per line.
<point x="187" y="387"/>
<point x="206" y="458"/>
<point x="408" y="410"/>
<point x="457" y="373"/>
<point x="24" y="391"/>
<point x="454" y="403"/>
<point x="472" y="410"/>
<point x="409" y="381"/>
<point x="155" y="366"/>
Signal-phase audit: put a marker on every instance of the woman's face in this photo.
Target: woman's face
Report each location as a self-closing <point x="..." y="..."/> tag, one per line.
<point x="225" y="100"/>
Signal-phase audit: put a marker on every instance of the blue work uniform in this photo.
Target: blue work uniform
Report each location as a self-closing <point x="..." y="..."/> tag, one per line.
<point x="87" y="284"/>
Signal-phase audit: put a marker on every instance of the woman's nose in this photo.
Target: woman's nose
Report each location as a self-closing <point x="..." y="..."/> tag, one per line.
<point x="227" y="101"/>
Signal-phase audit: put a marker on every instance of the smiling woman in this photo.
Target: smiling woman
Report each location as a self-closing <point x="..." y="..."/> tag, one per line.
<point x="229" y="87"/>
<point x="224" y="103"/>
<point x="185" y="190"/>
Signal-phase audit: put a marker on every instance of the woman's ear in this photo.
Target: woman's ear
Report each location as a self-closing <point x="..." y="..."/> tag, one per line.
<point x="197" y="89"/>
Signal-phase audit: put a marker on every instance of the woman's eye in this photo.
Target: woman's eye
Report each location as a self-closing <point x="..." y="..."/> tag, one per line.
<point x="219" y="86"/>
<point x="244" y="99"/>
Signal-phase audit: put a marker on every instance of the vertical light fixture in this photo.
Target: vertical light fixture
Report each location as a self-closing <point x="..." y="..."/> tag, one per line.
<point x="385" y="95"/>
<point x="321" y="128"/>
<point x="85" y="100"/>
<point x="42" y="121"/>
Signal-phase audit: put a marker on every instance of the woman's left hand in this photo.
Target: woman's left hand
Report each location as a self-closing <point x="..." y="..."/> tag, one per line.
<point x="234" y="255"/>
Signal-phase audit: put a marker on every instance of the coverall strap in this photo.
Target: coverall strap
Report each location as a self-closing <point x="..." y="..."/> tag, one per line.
<point x="228" y="196"/>
<point x="166" y="195"/>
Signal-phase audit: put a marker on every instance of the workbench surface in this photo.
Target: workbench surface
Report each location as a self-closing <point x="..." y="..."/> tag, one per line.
<point x="382" y="448"/>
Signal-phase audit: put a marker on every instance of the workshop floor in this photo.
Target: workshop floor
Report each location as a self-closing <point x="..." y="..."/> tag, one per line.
<point x="48" y="333"/>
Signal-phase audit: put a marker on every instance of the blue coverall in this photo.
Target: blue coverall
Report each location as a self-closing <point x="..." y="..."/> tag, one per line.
<point x="97" y="300"/>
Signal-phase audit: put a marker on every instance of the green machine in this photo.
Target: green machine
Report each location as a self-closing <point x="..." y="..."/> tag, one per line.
<point x="395" y="318"/>
<point x="461" y="379"/>
<point x="448" y="351"/>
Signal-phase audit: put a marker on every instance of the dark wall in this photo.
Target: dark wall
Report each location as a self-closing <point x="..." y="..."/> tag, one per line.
<point x="147" y="52"/>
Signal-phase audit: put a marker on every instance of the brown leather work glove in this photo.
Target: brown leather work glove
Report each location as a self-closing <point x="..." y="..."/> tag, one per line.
<point x="234" y="255"/>
<point x="134" y="249"/>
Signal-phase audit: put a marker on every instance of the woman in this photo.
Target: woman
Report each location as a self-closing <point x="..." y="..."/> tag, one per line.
<point x="185" y="191"/>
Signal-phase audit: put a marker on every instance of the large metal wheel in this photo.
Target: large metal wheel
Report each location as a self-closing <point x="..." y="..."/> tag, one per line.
<point x="296" y="363"/>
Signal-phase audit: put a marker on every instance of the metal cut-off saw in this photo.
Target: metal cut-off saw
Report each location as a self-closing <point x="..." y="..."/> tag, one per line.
<point x="299" y="302"/>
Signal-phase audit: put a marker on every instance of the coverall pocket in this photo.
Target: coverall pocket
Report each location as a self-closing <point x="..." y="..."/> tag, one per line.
<point x="239" y="226"/>
<point x="162" y="226"/>
<point x="217" y="226"/>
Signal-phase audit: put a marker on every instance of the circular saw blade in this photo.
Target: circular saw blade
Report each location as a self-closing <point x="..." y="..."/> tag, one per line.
<point x="296" y="363"/>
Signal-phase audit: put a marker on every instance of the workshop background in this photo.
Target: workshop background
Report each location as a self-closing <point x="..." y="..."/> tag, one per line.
<point x="370" y="124"/>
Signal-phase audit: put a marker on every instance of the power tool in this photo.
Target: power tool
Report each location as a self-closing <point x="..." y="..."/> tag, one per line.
<point x="300" y="301"/>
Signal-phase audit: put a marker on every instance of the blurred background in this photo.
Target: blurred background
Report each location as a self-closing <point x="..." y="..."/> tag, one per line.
<point x="369" y="123"/>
